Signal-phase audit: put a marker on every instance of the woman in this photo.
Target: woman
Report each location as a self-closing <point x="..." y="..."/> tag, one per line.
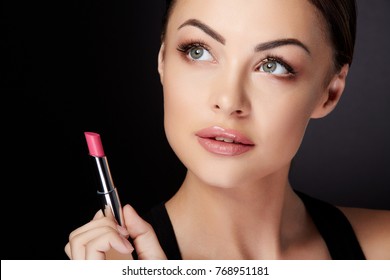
<point x="241" y="82"/>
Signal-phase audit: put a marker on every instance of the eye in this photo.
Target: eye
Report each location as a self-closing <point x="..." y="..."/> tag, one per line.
<point x="275" y="66"/>
<point x="199" y="53"/>
<point x="196" y="52"/>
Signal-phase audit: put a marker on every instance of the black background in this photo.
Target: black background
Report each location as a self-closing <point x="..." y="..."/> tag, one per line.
<point x="75" y="66"/>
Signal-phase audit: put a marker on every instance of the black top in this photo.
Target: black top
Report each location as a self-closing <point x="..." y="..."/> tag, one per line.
<point x="331" y="223"/>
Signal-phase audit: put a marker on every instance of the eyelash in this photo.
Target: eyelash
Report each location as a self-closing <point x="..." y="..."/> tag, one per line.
<point x="281" y="61"/>
<point x="185" y="47"/>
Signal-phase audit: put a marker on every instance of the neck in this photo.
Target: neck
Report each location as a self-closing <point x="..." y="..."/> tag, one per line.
<point x="256" y="221"/>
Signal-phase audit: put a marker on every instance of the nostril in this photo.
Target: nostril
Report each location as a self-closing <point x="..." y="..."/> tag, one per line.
<point x="234" y="112"/>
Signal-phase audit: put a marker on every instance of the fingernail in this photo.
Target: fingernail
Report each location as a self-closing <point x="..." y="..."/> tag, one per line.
<point x="123" y="231"/>
<point x="127" y="244"/>
<point x="98" y="215"/>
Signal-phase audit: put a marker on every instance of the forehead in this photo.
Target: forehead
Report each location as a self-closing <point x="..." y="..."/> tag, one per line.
<point x="253" y="19"/>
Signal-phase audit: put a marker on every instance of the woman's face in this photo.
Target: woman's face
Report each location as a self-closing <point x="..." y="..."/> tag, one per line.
<point x="241" y="80"/>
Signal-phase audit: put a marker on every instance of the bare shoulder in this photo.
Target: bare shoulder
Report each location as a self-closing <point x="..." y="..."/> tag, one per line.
<point x="372" y="228"/>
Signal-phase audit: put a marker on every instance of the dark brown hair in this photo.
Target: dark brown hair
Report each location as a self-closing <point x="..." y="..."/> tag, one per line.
<point x="340" y="17"/>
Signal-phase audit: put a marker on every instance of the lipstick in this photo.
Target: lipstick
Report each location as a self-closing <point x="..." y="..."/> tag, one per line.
<point x="106" y="189"/>
<point x="225" y="142"/>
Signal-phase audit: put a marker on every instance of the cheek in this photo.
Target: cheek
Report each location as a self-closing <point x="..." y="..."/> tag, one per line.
<point x="182" y="106"/>
<point x="186" y="93"/>
<point x="180" y="97"/>
<point x="283" y="125"/>
<point x="283" y="138"/>
<point x="289" y="129"/>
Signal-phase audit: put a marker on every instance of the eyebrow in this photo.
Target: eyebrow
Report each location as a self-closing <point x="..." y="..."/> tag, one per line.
<point x="206" y="29"/>
<point x="281" y="42"/>
<point x="260" y="47"/>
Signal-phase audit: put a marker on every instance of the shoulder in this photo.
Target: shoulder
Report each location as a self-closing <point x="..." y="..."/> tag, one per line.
<point x="372" y="228"/>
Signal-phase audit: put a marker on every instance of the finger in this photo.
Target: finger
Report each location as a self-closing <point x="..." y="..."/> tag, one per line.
<point x="111" y="242"/>
<point x="67" y="249"/>
<point x="144" y="238"/>
<point x="98" y="221"/>
<point x="99" y="214"/>
<point x="68" y="252"/>
<point x="79" y="243"/>
<point x="108" y="212"/>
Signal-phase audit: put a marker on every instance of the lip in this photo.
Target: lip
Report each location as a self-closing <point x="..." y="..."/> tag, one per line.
<point x="230" y="142"/>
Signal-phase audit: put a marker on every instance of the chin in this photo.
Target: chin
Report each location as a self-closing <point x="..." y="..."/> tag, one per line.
<point x="223" y="179"/>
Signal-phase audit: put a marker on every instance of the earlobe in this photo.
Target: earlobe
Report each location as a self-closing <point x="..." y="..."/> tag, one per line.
<point x="161" y="62"/>
<point x="332" y="94"/>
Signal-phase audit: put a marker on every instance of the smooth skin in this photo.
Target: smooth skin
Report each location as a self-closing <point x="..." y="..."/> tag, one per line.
<point x="234" y="76"/>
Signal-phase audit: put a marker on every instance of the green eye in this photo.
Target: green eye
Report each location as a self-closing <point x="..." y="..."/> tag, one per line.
<point x="275" y="66"/>
<point x="269" y="67"/>
<point x="196" y="53"/>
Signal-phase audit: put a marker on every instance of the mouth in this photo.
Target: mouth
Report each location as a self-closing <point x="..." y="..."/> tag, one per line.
<point x="227" y="140"/>
<point x="222" y="141"/>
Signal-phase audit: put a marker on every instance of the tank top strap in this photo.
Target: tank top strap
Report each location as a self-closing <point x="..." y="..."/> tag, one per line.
<point x="334" y="228"/>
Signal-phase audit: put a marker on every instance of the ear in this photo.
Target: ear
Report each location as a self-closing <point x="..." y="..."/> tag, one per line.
<point x="332" y="94"/>
<point x="161" y="62"/>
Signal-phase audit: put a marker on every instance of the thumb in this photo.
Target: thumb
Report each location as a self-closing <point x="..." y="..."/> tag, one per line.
<point x="144" y="237"/>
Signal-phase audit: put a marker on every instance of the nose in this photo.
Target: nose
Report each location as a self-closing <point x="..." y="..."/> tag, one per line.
<point x="230" y="96"/>
<point x="230" y="110"/>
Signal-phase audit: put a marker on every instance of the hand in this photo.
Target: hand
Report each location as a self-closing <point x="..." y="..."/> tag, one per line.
<point x="102" y="238"/>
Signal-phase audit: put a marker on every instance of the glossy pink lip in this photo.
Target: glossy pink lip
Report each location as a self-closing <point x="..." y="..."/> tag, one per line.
<point x="223" y="141"/>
